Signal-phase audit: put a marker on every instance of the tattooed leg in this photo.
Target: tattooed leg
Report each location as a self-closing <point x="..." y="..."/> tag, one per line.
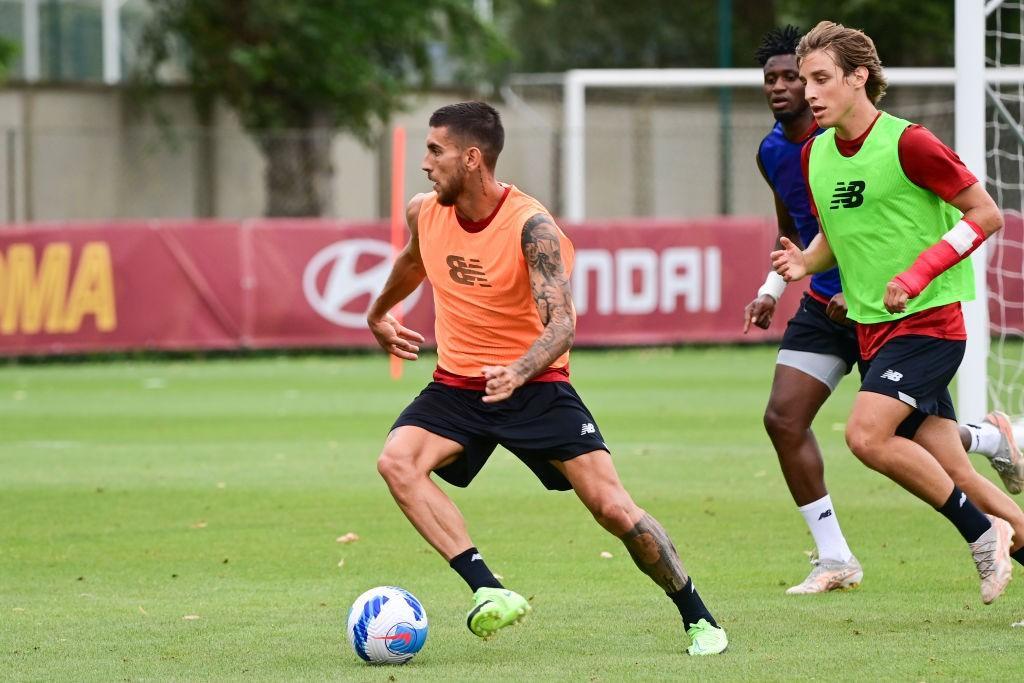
<point x="652" y="551"/>
<point x="595" y="481"/>
<point x="597" y="484"/>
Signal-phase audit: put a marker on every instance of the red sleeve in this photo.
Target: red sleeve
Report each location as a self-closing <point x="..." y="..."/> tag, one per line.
<point x="805" y="163"/>
<point x="931" y="165"/>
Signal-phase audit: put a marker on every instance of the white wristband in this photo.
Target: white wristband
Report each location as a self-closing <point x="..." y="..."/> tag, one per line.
<point x="962" y="237"/>
<point x="773" y="286"/>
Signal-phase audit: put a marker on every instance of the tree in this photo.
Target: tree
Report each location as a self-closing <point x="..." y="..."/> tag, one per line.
<point x="297" y="72"/>
<point x="8" y="52"/>
<point x="906" y="32"/>
<point x="555" y="35"/>
<point x="669" y="33"/>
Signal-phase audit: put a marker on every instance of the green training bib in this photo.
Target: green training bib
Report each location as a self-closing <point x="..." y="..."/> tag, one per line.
<point x="877" y="222"/>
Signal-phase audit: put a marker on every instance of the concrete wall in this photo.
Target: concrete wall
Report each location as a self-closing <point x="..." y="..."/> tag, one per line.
<point x="89" y="153"/>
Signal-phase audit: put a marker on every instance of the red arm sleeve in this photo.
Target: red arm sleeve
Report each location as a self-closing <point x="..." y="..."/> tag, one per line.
<point x="935" y="167"/>
<point x="932" y="165"/>
<point x="936" y="260"/>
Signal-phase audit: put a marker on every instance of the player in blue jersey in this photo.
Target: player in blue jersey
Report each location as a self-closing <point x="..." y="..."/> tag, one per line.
<point x="820" y="346"/>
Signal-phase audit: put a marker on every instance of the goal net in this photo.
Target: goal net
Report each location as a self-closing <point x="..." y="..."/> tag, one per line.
<point x="1005" y="179"/>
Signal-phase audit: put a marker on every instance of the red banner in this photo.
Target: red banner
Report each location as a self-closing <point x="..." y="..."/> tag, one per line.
<point x="669" y="282"/>
<point x="311" y="283"/>
<point x="74" y="288"/>
<point x="70" y="288"/>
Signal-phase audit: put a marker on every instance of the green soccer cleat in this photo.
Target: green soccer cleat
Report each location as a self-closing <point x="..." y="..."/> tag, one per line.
<point x="706" y="639"/>
<point x="495" y="609"/>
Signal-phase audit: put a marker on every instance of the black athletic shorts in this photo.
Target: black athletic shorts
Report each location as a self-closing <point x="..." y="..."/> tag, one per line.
<point x="812" y="331"/>
<point x="916" y="370"/>
<point x="540" y="421"/>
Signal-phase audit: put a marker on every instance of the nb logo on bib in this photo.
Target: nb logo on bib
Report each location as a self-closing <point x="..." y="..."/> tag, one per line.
<point x="848" y="195"/>
<point x="466" y="272"/>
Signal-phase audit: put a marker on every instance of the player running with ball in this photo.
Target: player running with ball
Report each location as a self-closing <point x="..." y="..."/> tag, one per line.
<point x="499" y="267"/>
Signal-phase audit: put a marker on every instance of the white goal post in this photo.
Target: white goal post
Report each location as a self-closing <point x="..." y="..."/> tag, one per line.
<point x="971" y="79"/>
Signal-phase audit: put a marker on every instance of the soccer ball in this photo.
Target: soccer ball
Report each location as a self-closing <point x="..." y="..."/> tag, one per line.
<point x="387" y="625"/>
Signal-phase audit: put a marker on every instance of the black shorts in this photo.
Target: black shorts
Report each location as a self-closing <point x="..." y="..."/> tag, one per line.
<point x="916" y="370"/>
<point x="539" y="422"/>
<point x="812" y="331"/>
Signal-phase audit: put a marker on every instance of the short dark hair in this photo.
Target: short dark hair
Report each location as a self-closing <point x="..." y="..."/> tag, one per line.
<point x="476" y="122"/>
<point x="778" y="41"/>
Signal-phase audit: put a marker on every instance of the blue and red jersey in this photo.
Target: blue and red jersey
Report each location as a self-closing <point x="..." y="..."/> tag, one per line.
<point x="780" y="159"/>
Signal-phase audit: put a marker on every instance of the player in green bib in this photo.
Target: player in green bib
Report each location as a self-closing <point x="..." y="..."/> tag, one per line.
<point x="899" y="214"/>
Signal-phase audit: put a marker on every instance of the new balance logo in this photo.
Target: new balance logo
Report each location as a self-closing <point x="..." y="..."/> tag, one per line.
<point x="907" y="398"/>
<point x="826" y="513"/>
<point x="892" y="375"/>
<point x="588" y="428"/>
<point x="475" y="557"/>
<point x="963" y="499"/>
<point x="848" y="195"/>
<point x="466" y="272"/>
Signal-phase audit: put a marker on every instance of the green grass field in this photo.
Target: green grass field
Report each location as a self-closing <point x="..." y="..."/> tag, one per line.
<point x="178" y="520"/>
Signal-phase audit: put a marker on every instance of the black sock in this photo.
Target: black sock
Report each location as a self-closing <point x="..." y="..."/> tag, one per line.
<point x="691" y="607"/>
<point x="473" y="570"/>
<point x="968" y="520"/>
<point x="1018" y="555"/>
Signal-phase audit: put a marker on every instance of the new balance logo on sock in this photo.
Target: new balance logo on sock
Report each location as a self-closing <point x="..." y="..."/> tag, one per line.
<point x="892" y="375"/>
<point x="963" y="499"/>
<point x="826" y="513"/>
<point x="587" y="428"/>
<point x="476" y="556"/>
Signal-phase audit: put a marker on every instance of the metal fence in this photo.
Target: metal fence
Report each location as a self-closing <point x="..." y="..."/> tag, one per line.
<point x="74" y="154"/>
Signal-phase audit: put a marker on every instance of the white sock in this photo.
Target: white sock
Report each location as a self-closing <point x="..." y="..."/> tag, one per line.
<point x="821" y="520"/>
<point x="985" y="438"/>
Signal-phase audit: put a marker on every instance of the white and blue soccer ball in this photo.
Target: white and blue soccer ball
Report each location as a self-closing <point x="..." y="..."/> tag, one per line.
<point x="387" y="625"/>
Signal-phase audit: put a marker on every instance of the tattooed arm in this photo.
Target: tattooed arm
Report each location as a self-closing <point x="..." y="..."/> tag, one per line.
<point x="549" y="284"/>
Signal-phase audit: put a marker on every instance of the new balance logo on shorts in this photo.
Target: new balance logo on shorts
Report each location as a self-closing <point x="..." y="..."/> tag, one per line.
<point x="848" y="195"/>
<point x="588" y="428"/>
<point x="466" y="272"/>
<point x="892" y="375"/>
<point x="826" y="513"/>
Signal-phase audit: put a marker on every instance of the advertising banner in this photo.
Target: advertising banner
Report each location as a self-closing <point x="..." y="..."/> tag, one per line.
<point x="92" y="287"/>
<point x="71" y="288"/>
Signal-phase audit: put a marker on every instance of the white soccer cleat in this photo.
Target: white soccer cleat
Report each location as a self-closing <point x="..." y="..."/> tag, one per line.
<point x="830" y="575"/>
<point x="992" y="557"/>
<point x="1007" y="461"/>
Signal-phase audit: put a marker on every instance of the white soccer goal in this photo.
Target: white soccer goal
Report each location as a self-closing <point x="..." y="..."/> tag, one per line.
<point x="989" y="86"/>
